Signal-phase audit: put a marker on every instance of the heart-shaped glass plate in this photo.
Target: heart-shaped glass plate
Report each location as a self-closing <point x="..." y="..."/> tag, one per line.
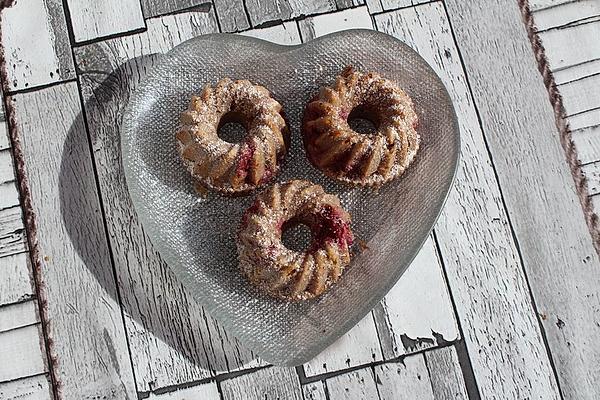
<point x="195" y="235"/>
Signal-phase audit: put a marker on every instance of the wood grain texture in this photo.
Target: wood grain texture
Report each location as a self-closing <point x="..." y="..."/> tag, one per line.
<point x="87" y="327"/>
<point x="406" y="380"/>
<point x="172" y="339"/>
<point x="314" y="391"/>
<point x="578" y="71"/>
<point x="22" y="347"/>
<point x="445" y="373"/>
<point x="587" y="142"/>
<point x="585" y="120"/>
<point x="374" y="6"/>
<point x="493" y="302"/>
<point x="231" y="14"/>
<point x="266" y="384"/>
<point x="155" y="8"/>
<point x="92" y="19"/>
<point x="572" y="45"/>
<point x="568" y="14"/>
<point x="592" y="173"/>
<point x="12" y="232"/>
<point x="9" y="195"/>
<point x="7" y="172"/>
<point x="285" y="33"/>
<point x="203" y="391"/>
<point x="263" y="12"/>
<point x="557" y="252"/>
<point x="417" y="312"/>
<point x="18" y="315"/>
<point x="32" y="388"/>
<point x="313" y="27"/>
<point x="36" y="44"/>
<point x="15" y="285"/>
<point x="394" y="4"/>
<point x="581" y="95"/>
<point x="359" y="384"/>
<point x="541" y="4"/>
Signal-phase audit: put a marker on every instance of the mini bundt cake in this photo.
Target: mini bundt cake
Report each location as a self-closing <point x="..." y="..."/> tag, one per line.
<point x="285" y="273"/>
<point x="361" y="159"/>
<point x="233" y="167"/>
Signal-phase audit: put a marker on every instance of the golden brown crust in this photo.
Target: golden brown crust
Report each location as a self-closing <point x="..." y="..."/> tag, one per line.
<point x="285" y="273"/>
<point x="351" y="157"/>
<point x="233" y="168"/>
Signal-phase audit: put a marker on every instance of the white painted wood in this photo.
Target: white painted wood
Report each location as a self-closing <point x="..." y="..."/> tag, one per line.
<point x="262" y="12"/>
<point x="394" y="4"/>
<point x="266" y="384"/>
<point x="9" y="195"/>
<point x="320" y="25"/>
<point x="92" y="19"/>
<point x="359" y="384"/>
<point x="572" y="45"/>
<point x="559" y="258"/>
<point x="592" y="173"/>
<point x="486" y="278"/>
<point x="203" y="391"/>
<point x="172" y="339"/>
<point x="12" y="232"/>
<point x="541" y="4"/>
<point x="374" y="6"/>
<point x="573" y="13"/>
<point x="154" y="8"/>
<point x="4" y="139"/>
<point x="32" y="388"/>
<point x="581" y="95"/>
<point x="21" y="353"/>
<point x="286" y="33"/>
<point x="358" y="346"/>
<point x="584" y="120"/>
<point x="445" y="374"/>
<point x="18" y="315"/>
<point x="231" y="15"/>
<point x="7" y="172"/>
<point x="87" y="326"/>
<point x="577" y="72"/>
<point x="417" y="313"/>
<point x="406" y="380"/>
<point x="587" y="142"/>
<point x="36" y="44"/>
<point x="314" y="391"/>
<point x="15" y="284"/>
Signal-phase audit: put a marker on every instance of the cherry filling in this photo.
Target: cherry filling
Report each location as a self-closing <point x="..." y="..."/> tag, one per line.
<point x="244" y="159"/>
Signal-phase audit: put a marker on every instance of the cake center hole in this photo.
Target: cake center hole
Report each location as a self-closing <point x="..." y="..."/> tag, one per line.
<point x="362" y="121"/>
<point x="231" y="128"/>
<point x="296" y="236"/>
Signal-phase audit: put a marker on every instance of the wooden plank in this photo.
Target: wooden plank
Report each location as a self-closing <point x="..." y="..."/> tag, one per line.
<point x="314" y="391"/>
<point x="4" y="139"/>
<point x="445" y="374"/>
<point x="374" y="6"/>
<point x="18" y="315"/>
<point x="15" y="285"/>
<point x="155" y="8"/>
<point x="572" y="45"/>
<point x="263" y="12"/>
<point x="405" y="380"/>
<point x="92" y="19"/>
<point x="359" y="384"/>
<point x="231" y="14"/>
<point x="265" y="384"/>
<point x="581" y="95"/>
<point x="587" y="142"/>
<point x="172" y="339"/>
<point x="592" y="173"/>
<point x="578" y="71"/>
<point x="563" y="269"/>
<point x="394" y="4"/>
<point x="417" y="313"/>
<point x="357" y="347"/>
<point x="36" y="44"/>
<point x="32" y="388"/>
<point x="542" y="4"/>
<point x="286" y="33"/>
<point x="87" y="326"/>
<point x="7" y="171"/>
<point x="320" y="25"/>
<point x="21" y="352"/>
<point x="584" y="120"/>
<point x="9" y="195"/>
<point x="12" y="232"/>
<point x="481" y="259"/>
<point x="203" y="391"/>
<point x="573" y="13"/>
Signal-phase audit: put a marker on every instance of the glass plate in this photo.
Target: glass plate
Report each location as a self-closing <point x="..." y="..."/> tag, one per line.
<point x="195" y="235"/>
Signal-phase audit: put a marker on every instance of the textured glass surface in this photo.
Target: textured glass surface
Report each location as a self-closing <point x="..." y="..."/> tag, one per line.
<point x="195" y="235"/>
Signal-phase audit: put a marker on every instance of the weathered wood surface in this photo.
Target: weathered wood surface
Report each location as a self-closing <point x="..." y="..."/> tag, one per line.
<point x="32" y="388"/>
<point x="21" y="353"/>
<point x="270" y="383"/>
<point x="15" y="284"/>
<point x="87" y="326"/>
<point x="404" y="381"/>
<point x="203" y="391"/>
<point x="314" y="391"/>
<point x="285" y="33"/>
<point x="232" y="15"/>
<point x="36" y="44"/>
<point x="474" y="235"/>
<point x="154" y="8"/>
<point x="542" y="4"/>
<point x="92" y="19"/>
<point x="262" y="12"/>
<point x="562" y="266"/>
<point x="18" y="315"/>
<point x="12" y="232"/>
<point x="359" y="384"/>
<point x="587" y="142"/>
<point x="447" y="380"/>
<point x="568" y="14"/>
<point x="313" y="27"/>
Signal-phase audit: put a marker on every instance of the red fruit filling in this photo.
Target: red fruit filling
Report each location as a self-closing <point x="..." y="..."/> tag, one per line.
<point x="244" y="160"/>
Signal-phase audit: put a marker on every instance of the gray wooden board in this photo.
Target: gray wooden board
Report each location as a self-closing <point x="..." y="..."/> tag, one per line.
<point x="231" y="14"/>
<point x="493" y="302"/>
<point x="587" y="142"/>
<point x="154" y="8"/>
<point x="262" y="12"/>
<point x="15" y="285"/>
<point x="18" y="315"/>
<point x="86" y="320"/>
<point x="445" y="373"/>
<point x="23" y="348"/>
<point x="557" y="252"/>
<point x="270" y="383"/>
<point x="12" y="232"/>
<point x="32" y="388"/>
